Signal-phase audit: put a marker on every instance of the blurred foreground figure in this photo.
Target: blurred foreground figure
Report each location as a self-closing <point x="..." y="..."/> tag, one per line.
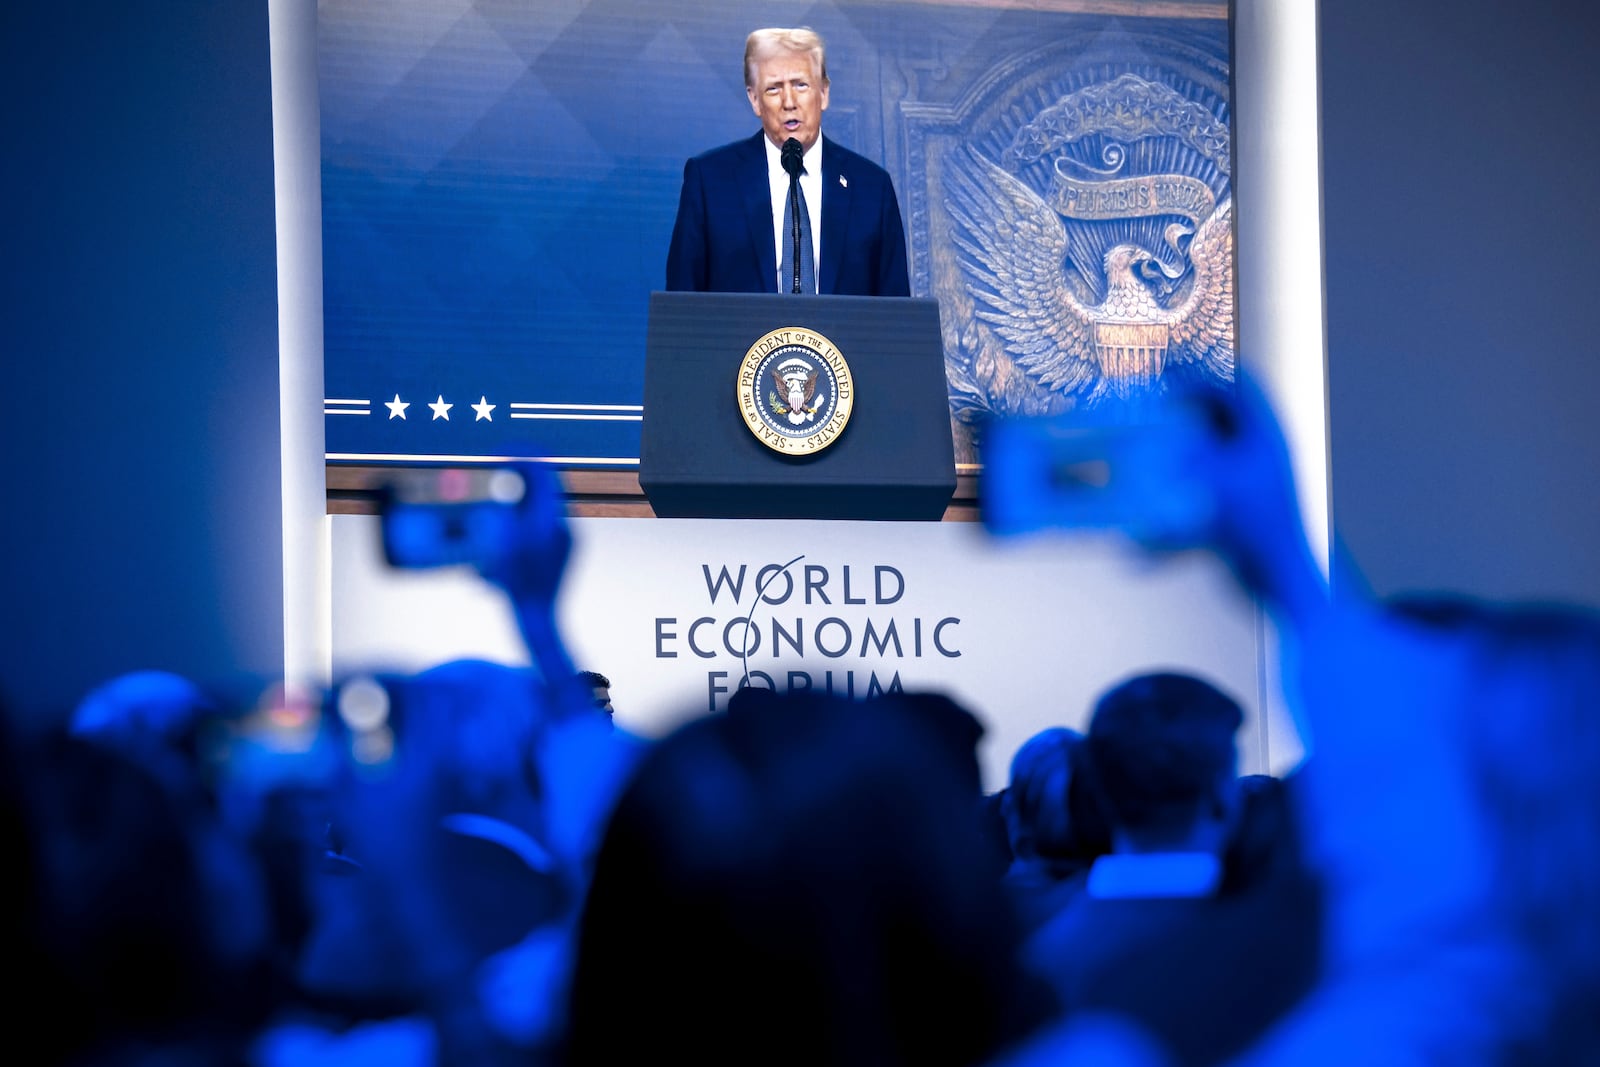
<point x="132" y="948"/>
<point x="468" y="802"/>
<point x="471" y="849"/>
<point x="1452" y="810"/>
<point x="795" y="886"/>
<point x="1449" y="804"/>
<point x="152" y="718"/>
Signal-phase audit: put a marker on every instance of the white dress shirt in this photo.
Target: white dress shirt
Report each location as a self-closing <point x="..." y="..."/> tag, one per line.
<point x="811" y="187"/>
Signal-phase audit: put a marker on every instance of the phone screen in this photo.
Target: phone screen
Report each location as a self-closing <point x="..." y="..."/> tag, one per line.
<point x="439" y="518"/>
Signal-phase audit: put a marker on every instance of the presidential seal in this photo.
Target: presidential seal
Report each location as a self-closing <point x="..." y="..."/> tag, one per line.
<point x="795" y="391"/>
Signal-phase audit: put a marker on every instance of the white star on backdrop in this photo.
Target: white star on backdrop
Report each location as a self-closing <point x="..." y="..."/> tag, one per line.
<point x="483" y="407"/>
<point x="397" y="407"/>
<point x="441" y="410"/>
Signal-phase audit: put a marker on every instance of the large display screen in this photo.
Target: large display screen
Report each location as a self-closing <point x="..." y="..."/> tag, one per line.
<point x="499" y="182"/>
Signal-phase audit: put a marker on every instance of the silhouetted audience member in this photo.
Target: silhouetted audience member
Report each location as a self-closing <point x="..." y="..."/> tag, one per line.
<point x="997" y="857"/>
<point x="125" y="920"/>
<point x="796" y="887"/>
<point x="752" y="700"/>
<point x="1038" y="816"/>
<point x="1154" y="936"/>
<point x="1091" y="832"/>
<point x="153" y="719"/>
<point x="23" y="944"/>
<point x="1266" y="841"/>
<point x="952" y="725"/>
<point x="600" y="686"/>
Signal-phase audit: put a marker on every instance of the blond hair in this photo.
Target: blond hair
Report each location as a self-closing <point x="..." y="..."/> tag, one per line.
<point x="763" y="44"/>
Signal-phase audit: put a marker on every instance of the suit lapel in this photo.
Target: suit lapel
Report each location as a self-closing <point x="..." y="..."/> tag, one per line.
<point x="758" y="211"/>
<point x="835" y="215"/>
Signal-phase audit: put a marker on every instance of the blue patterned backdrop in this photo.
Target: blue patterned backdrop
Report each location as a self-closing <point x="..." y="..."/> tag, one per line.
<point x="499" y="182"/>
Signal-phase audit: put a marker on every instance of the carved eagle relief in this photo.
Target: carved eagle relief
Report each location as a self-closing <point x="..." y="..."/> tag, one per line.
<point x="1015" y="263"/>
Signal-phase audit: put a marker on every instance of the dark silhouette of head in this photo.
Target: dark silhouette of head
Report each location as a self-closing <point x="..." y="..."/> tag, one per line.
<point x="1038" y="807"/>
<point x="797" y="886"/>
<point x="121" y="913"/>
<point x="153" y="719"/>
<point x="1161" y="752"/>
<point x="600" y="687"/>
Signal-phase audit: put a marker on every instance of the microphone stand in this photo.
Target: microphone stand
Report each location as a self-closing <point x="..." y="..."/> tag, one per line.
<point x="793" y="162"/>
<point x="794" y="230"/>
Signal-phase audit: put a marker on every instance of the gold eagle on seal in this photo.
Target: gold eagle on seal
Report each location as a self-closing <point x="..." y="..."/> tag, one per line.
<point x="1016" y="259"/>
<point x="797" y="386"/>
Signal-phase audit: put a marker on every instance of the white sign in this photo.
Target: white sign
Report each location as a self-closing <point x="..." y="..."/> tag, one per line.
<point x="680" y="612"/>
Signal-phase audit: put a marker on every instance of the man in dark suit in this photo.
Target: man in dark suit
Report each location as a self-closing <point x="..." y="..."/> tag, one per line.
<point x="735" y="215"/>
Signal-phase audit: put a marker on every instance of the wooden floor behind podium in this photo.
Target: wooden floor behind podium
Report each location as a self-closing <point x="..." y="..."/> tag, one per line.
<point x="894" y="460"/>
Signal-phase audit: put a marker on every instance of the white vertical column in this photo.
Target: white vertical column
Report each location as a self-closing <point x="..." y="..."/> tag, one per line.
<point x="296" y="149"/>
<point x="1282" y="334"/>
<point x="1278" y="178"/>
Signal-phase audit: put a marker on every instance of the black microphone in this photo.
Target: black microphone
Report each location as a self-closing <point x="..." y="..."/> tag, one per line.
<point x="792" y="155"/>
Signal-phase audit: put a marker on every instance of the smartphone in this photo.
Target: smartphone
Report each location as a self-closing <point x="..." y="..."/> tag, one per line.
<point x="449" y="516"/>
<point x="1145" y="478"/>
